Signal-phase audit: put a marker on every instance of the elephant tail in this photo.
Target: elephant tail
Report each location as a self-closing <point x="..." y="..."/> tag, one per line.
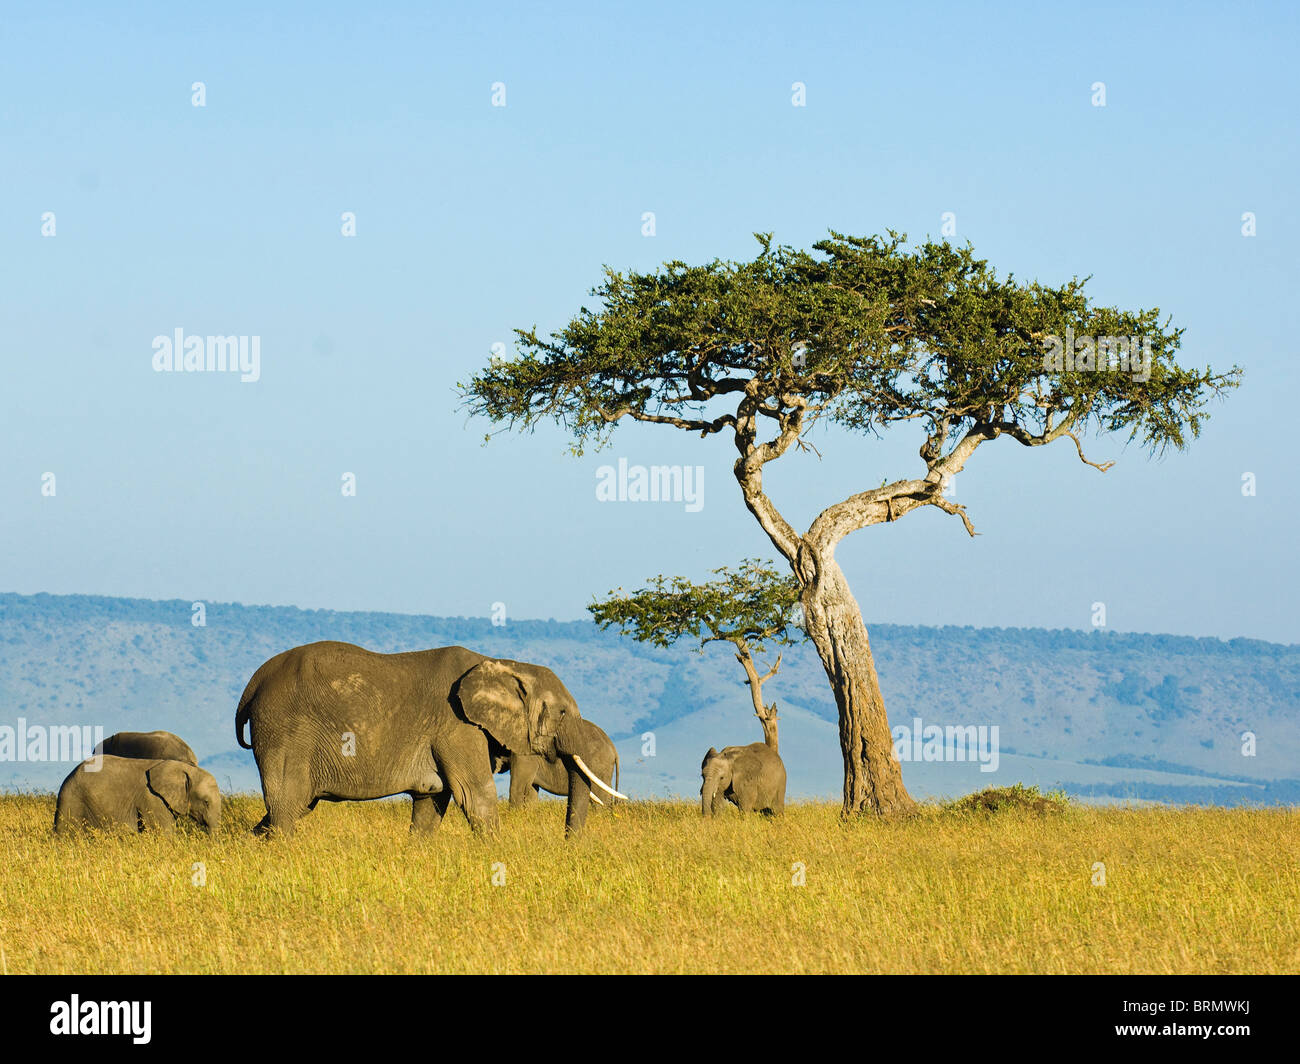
<point x="245" y="707"/>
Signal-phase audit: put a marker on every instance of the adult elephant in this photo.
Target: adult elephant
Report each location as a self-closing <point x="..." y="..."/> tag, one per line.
<point x="530" y="772"/>
<point x="335" y="722"/>
<point x="153" y="745"/>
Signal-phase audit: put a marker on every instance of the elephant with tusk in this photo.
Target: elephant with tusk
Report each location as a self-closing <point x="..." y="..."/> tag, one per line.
<point x="335" y="722"/>
<point x="594" y="754"/>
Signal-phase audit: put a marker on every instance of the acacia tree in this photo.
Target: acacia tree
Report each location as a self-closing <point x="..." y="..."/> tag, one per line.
<point x="748" y="608"/>
<point x="863" y="333"/>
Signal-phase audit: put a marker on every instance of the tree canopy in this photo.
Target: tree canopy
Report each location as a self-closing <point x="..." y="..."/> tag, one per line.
<point x="861" y="330"/>
<point x="749" y="607"/>
<point x="752" y="605"/>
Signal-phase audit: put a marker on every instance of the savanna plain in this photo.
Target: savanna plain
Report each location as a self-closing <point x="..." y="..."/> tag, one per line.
<point x="655" y="888"/>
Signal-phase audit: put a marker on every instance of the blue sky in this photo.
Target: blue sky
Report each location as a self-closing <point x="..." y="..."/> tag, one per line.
<point x="473" y="219"/>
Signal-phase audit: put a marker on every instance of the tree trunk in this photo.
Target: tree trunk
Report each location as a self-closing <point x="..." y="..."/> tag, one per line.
<point x="766" y="714"/>
<point x="873" y="780"/>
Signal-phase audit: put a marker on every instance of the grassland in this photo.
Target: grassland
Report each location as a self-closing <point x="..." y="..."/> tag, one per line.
<point x="660" y="890"/>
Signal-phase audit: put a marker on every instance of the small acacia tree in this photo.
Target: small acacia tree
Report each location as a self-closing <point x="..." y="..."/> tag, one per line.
<point x="748" y="608"/>
<point x="866" y="334"/>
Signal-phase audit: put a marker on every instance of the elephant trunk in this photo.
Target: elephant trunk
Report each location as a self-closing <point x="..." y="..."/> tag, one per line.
<point x="707" y="793"/>
<point x="575" y="813"/>
<point x="566" y="738"/>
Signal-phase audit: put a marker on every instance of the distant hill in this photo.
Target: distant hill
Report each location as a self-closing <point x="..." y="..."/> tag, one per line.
<point x="1104" y="715"/>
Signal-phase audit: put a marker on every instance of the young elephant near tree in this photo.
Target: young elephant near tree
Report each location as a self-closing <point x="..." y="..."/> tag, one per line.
<point x="138" y="794"/>
<point x="750" y="777"/>
<point x="530" y="773"/>
<point x="153" y="746"/>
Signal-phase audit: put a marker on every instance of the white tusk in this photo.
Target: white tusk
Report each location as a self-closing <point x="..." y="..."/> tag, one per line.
<point x="598" y="781"/>
<point x="595" y="799"/>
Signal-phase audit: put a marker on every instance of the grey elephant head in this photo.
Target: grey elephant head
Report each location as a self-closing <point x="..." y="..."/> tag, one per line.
<point x="522" y="707"/>
<point x="716" y="770"/>
<point x="188" y="791"/>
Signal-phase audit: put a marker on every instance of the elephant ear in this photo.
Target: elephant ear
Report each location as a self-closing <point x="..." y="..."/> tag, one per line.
<point x="170" y="781"/>
<point x="494" y="697"/>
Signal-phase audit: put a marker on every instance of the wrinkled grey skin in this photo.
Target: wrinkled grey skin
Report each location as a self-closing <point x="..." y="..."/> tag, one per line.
<point x="152" y="745"/>
<point x="530" y="773"/>
<point x="751" y="777"/>
<point x="334" y="722"/>
<point x="137" y="794"/>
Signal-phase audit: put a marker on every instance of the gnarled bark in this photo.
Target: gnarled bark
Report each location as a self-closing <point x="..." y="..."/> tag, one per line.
<point x="873" y="779"/>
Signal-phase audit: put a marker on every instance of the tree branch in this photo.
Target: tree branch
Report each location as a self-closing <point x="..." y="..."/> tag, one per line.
<point x="704" y="428"/>
<point x="748" y="469"/>
<point x="950" y="507"/>
<point x="765" y="714"/>
<point x="1103" y="466"/>
<point x="886" y="503"/>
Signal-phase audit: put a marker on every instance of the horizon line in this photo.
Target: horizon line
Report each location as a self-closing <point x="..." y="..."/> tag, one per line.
<point x="486" y="619"/>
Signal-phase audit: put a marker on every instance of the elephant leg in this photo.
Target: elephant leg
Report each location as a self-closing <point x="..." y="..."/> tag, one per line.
<point x="575" y="815"/>
<point x="477" y="799"/>
<point x="745" y="795"/>
<point x="151" y="814"/>
<point x="463" y="762"/>
<point x="70" y="814"/>
<point x="427" y="811"/>
<point x="284" y="810"/>
<point x="283" y="818"/>
<point x="287" y="789"/>
<point x="523" y="773"/>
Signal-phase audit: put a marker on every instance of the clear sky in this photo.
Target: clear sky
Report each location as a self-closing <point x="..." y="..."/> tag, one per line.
<point x="472" y="219"/>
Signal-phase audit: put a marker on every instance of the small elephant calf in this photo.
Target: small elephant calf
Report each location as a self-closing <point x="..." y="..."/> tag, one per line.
<point x="153" y="745"/>
<point x="137" y="794"/>
<point x="750" y="777"/>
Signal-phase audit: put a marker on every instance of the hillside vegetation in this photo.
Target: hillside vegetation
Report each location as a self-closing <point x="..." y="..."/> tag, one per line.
<point x="1130" y="716"/>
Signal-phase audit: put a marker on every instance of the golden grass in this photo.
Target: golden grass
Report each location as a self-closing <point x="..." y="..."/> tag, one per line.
<point x="660" y="890"/>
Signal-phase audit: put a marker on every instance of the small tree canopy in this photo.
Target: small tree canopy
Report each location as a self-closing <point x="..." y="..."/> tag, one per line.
<point x="750" y="606"/>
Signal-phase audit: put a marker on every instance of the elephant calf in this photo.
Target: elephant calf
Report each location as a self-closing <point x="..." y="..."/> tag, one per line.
<point x="152" y="745"/>
<point x="594" y="753"/>
<point x="138" y="794"/>
<point x="750" y="777"/>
